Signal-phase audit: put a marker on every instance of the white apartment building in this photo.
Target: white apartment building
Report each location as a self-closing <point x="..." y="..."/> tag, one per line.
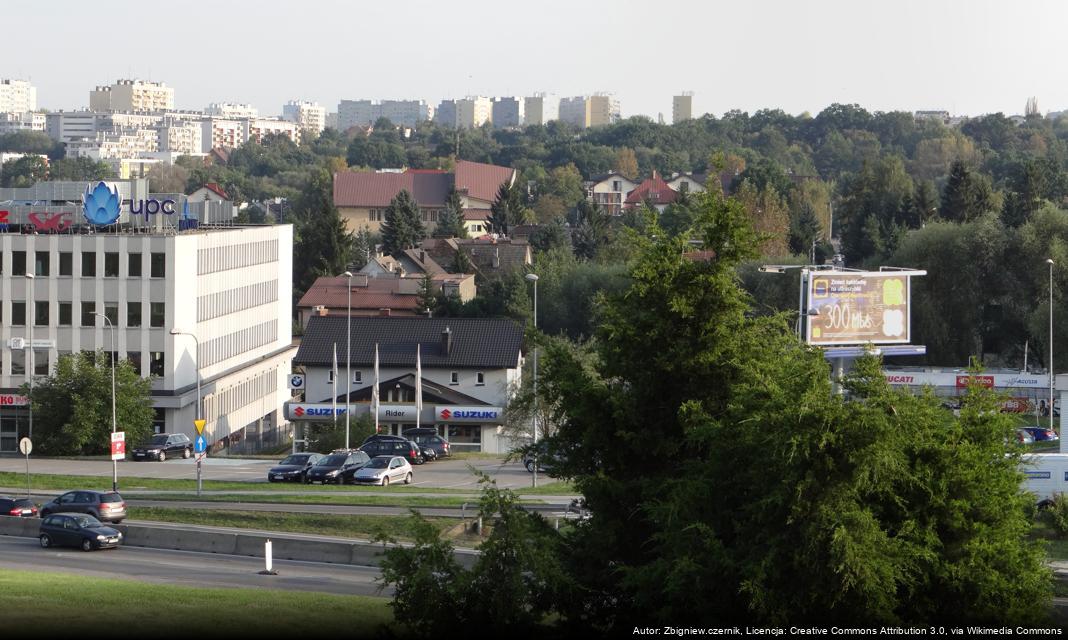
<point x="590" y="111"/>
<point x="220" y="132"/>
<point x="309" y="116"/>
<point x="67" y="126"/>
<point x="231" y="110"/>
<point x="122" y="143"/>
<point x="682" y="107"/>
<point x="362" y="113"/>
<point x="230" y="287"/>
<point x="17" y="96"/>
<point x="132" y="95"/>
<point x="467" y="113"/>
<point x="573" y="111"/>
<point x="180" y="137"/>
<point x="508" y="113"/>
<point x="256" y="128"/>
<point x="21" y="121"/>
<point x="540" y="108"/>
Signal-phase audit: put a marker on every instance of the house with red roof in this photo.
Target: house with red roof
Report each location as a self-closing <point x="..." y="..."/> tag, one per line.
<point x="362" y="198"/>
<point x="210" y="192"/>
<point x="393" y="294"/>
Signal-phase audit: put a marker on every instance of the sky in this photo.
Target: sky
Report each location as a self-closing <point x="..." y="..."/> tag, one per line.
<point x="967" y="58"/>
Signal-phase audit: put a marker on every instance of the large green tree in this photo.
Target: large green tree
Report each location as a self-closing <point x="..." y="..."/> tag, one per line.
<point x="323" y="245"/>
<point x="451" y="221"/>
<point x="72" y="406"/>
<point x="402" y="227"/>
<point x="967" y="195"/>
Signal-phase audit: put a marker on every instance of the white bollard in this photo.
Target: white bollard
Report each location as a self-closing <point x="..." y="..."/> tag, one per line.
<point x="268" y="560"/>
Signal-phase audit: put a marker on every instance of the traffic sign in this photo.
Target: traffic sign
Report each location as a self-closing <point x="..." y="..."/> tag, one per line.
<point x="25" y="446"/>
<point x="296" y="381"/>
<point x="118" y="445"/>
<point x="199" y="424"/>
<point x="200" y="445"/>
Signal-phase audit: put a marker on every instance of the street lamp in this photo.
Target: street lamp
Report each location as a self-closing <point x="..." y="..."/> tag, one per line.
<point x="179" y="332"/>
<point x="114" y="463"/>
<point x="533" y="277"/>
<point x="1050" y="262"/>
<point x="32" y="365"/>
<point x="348" y="353"/>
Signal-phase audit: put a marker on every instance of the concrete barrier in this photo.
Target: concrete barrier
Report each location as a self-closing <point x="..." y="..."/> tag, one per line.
<point x="283" y="548"/>
<point x="138" y="535"/>
<point x="12" y="526"/>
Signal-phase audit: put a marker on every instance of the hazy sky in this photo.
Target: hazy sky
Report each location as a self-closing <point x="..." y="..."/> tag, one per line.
<point x="965" y="57"/>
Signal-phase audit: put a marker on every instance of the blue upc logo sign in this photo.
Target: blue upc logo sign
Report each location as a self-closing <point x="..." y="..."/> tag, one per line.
<point x="101" y="205"/>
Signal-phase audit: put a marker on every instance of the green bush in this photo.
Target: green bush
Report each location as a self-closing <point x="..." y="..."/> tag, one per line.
<point x="1058" y="514"/>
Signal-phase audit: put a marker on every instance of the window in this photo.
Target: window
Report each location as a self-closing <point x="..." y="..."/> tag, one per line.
<point x="40" y="313"/>
<point x="134" y="358"/>
<point x="375" y="215"/>
<point x="454" y="377"/>
<point x="480" y="378"/>
<point x="330" y="377"/>
<point x="66" y="263"/>
<point x="684" y="186"/>
<point x="134" y="266"/>
<point x="156" y="314"/>
<point x="40" y="263"/>
<point x="18" y="314"/>
<point x="357" y="377"/>
<point x="133" y="314"/>
<point x="159" y="265"/>
<point x="18" y="362"/>
<point x="65" y="313"/>
<point x="111" y="310"/>
<point x="18" y="263"/>
<point x="111" y="265"/>
<point x="40" y="362"/>
<point x="89" y="264"/>
<point x="617" y="185"/>
<point x="155" y="363"/>
<point x="88" y="314"/>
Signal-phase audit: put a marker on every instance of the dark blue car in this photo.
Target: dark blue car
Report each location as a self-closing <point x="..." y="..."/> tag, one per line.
<point x="77" y="530"/>
<point x="1042" y="434"/>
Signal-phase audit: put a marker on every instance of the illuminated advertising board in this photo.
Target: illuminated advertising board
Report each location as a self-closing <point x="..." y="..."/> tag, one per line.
<point x="857" y="307"/>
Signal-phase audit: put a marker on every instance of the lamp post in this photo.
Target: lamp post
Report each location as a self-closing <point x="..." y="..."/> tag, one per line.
<point x="533" y="277"/>
<point x="114" y="422"/>
<point x="30" y="361"/>
<point x="199" y="407"/>
<point x="348" y="353"/>
<point x="1050" y="262"/>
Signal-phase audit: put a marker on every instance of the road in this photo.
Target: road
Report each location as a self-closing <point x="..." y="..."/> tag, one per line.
<point x="162" y="566"/>
<point x="446" y="474"/>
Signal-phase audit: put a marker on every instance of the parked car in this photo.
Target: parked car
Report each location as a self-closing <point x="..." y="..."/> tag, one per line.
<point x="546" y="461"/>
<point x="1042" y="434"/>
<point x="359" y="461"/>
<point x="164" y="445"/>
<point x="293" y="467"/>
<point x="77" y="530"/>
<point x="102" y="505"/>
<point x="385" y="469"/>
<point x="1023" y="436"/>
<point x="429" y="439"/>
<point x="18" y="507"/>
<point x="387" y="445"/>
<point x="329" y="468"/>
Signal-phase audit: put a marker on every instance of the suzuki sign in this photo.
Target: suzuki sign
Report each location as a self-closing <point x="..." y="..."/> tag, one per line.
<point x="468" y="414"/>
<point x="311" y="411"/>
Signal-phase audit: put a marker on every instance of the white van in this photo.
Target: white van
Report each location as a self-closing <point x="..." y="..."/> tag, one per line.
<point x="1047" y="474"/>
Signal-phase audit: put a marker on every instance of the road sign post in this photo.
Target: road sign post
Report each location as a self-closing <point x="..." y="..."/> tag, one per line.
<point x="200" y="448"/>
<point x="26" y="446"/>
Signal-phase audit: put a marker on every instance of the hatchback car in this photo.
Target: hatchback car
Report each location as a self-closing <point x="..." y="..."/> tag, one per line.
<point x="77" y="530"/>
<point x="430" y="440"/>
<point x="1042" y="434"/>
<point x="164" y="445"/>
<point x="1023" y="436"/>
<point x="387" y="445"/>
<point x="329" y="469"/>
<point x="293" y="467"/>
<point x="385" y="469"/>
<point x="18" y="507"/>
<point x="102" y="505"/>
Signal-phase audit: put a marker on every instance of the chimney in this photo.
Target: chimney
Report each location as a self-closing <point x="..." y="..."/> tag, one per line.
<point x="384" y="313"/>
<point x="321" y="310"/>
<point x="446" y="341"/>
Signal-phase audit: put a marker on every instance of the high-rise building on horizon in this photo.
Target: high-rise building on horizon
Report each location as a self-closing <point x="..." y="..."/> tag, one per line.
<point x="682" y="107"/>
<point x="541" y="108"/>
<point x="309" y="116"/>
<point x="17" y="96"/>
<point x="465" y="113"/>
<point x="132" y="95"/>
<point x="363" y="113"/>
<point x="508" y="112"/>
<point x="231" y="110"/>
<point x="590" y="111"/>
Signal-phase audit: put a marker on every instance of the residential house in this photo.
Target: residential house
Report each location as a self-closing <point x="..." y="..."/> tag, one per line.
<point x="653" y="191"/>
<point x="389" y="294"/>
<point x="610" y="191"/>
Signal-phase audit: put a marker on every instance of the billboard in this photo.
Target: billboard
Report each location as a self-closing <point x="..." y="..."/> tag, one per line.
<point x="857" y="307"/>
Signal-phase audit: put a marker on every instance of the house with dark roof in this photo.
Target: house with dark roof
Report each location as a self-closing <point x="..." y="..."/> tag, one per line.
<point x="393" y="294"/>
<point x="362" y="197"/>
<point x="488" y="257"/>
<point x="469" y="370"/>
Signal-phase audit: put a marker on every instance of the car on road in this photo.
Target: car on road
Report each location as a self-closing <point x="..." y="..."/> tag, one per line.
<point x="163" y="446"/>
<point x="387" y="445"/>
<point x="428" y="439"/>
<point x="77" y="530"/>
<point x="18" y="507"/>
<point x="102" y="505"/>
<point x="1042" y="434"/>
<point x="330" y="469"/>
<point x="384" y="470"/>
<point x="293" y="467"/>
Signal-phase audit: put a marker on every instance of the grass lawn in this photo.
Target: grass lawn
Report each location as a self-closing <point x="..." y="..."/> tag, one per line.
<point x="344" y="526"/>
<point x="355" y="498"/>
<point x="61" y="605"/>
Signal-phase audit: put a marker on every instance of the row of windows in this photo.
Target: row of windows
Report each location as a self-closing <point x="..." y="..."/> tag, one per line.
<point x="241" y="395"/>
<point x="235" y="256"/>
<point x="42" y="264"/>
<point x="225" y="302"/>
<point x="42" y="314"/>
<point x="42" y="365"/>
<point x="228" y="346"/>
<point x="454" y="377"/>
<point x="429" y="215"/>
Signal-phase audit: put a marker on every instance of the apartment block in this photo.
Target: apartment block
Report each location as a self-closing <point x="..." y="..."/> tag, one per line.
<point x="309" y="116"/>
<point x="132" y="95"/>
<point x="682" y="107"/>
<point x="17" y="96"/>
<point x="508" y="113"/>
<point x="540" y="108"/>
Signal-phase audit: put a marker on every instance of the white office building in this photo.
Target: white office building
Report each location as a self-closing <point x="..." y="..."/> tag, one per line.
<point x="149" y="273"/>
<point x="17" y="96"/>
<point x="309" y="116"/>
<point x="21" y="121"/>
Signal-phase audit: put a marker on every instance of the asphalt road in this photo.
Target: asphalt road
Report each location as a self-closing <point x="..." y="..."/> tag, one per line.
<point x="451" y="474"/>
<point x="161" y="566"/>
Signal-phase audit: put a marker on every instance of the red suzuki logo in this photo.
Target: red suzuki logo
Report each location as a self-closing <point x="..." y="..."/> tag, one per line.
<point x="445" y="413"/>
<point x="299" y="412"/>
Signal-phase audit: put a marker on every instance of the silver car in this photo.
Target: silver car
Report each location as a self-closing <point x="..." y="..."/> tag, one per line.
<point x="383" y="470"/>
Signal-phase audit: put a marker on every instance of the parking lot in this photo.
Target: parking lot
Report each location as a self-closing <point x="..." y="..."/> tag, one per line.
<point x="450" y="474"/>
